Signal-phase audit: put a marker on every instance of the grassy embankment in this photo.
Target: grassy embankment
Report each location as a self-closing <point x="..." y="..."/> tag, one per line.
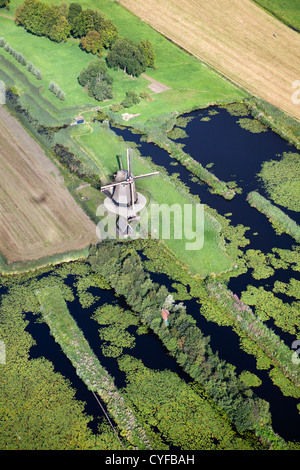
<point x="17" y="268"/>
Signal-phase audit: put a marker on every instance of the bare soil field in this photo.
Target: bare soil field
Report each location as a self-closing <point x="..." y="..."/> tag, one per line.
<point x="38" y="216"/>
<point x="237" y="38"/>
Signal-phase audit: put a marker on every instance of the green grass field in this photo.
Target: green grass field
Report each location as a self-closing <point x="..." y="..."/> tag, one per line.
<point x="287" y="11"/>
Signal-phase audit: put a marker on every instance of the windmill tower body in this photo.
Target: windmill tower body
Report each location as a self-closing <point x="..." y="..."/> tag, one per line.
<point x="123" y="199"/>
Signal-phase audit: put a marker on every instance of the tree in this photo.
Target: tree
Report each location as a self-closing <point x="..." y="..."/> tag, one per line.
<point x="20" y="14"/>
<point x="103" y="90"/>
<point x="125" y="54"/>
<point x="95" y="69"/>
<point x="63" y="9"/>
<point x="131" y="99"/>
<point x="92" y="43"/>
<point x="37" y="17"/>
<point x="38" y="74"/>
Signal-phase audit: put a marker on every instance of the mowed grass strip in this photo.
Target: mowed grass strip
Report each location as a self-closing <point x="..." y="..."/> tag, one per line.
<point x="38" y="216"/>
<point x="236" y="37"/>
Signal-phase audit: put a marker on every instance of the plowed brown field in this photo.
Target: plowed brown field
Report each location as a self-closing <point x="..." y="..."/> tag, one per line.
<point x="38" y="216"/>
<point x="237" y="38"/>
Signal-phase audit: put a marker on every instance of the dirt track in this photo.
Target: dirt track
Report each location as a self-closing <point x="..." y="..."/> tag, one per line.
<point x="237" y="38"/>
<point x="38" y="216"/>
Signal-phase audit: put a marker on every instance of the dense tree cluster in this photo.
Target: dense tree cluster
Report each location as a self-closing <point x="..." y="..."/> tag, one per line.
<point x="4" y="3"/>
<point x="93" y="20"/>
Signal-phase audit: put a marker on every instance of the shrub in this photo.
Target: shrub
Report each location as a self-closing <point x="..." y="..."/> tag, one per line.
<point x="54" y="88"/>
<point x="280" y="221"/>
<point x="116" y="107"/>
<point x="96" y="80"/>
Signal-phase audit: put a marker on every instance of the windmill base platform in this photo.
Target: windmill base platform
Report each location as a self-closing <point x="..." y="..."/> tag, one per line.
<point x="126" y="212"/>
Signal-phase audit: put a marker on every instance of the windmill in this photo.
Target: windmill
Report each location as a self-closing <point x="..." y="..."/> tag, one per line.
<point x="123" y="199"/>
